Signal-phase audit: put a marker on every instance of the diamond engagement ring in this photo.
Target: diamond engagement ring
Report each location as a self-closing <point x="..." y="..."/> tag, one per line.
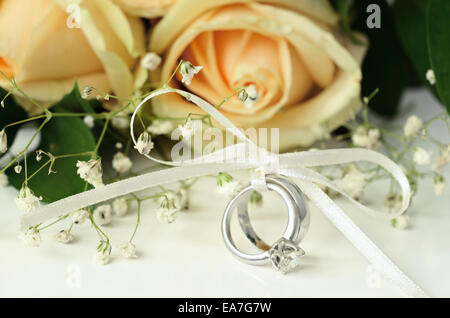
<point x="283" y="254"/>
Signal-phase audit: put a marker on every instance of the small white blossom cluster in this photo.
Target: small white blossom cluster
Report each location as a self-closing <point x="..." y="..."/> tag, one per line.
<point x="170" y="204"/>
<point x="366" y="137"/>
<point x="26" y="200"/>
<point x="121" y="163"/>
<point x="64" y="236"/>
<point x="402" y="222"/>
<point x="103" y="214"/>
<point x="353" y="182"/>
<point x="128" y="250"/>
<point x="151" y="61"/>
<point x="91" y="172"/>
<point x="413" y="125"/>
<point x="31" y="237"/>
<point x="189" y="128"/>
<point x="120" y="206"/>
<point x="161" y="127"/>
<point x="79" y="216"/>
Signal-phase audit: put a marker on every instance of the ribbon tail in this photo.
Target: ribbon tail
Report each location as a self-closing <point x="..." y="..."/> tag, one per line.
<point x="360" y="240"/>
<point x="121" y="188"/>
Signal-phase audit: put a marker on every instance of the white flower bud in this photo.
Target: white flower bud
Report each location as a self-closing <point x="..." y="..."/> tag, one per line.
<point x="421" y="156"/>
<point x="3" y="142"/>
<point x="18" y="169"/>
<point x="226" y="185"/>
<point x="39" y="155"/>
<point x="120" y="206"/>
<point x="188" y="71"/>
<point x="121" y="163"/>
<point x="128" y="250"/>
<point x="412" y="126"/>
<point x="89" y="121"/>
<point x="144" y="144"/>
<point x="431" y="77"/>
<point x="151" y="61"/>
<point x="189" y="128"/>
<point x="64" y="237"/>
<point x="103" y="214"/>
<point x="401" y="222"/>
<point x="366" y="138"/>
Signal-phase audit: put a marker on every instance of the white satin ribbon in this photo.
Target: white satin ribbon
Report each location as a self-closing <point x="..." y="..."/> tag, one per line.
<point x="295" y="165"/>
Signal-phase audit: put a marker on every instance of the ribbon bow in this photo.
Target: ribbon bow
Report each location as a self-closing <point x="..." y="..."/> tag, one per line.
<point x="236" y="157"/>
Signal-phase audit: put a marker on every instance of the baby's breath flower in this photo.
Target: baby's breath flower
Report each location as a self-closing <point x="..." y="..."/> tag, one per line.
<point x="89" y="121"/>
<point x="120" y="122"/>
<point x="249" y="96"/>
<point x="151" y="61"/>
<point x="120" y="206"/>
<point x="3" y="180"/>
<point x="118" y="145"/>
<point x="144" y="144"/>
<point x="87" y="92"/>
<point x="18" y="169"/>
<point x="443" y="159"/>
<point x="161" y="127"/>
<point x="101" y="257"/>
<point x="189" y="128"/>
<point x="31" y="237"/>
<point x="26" y="200"/>
<point x="401" y="222"/>
<point x="3" y="142"/>
<point x="188" y="71"/>
<point x="103" y="214"/>
<point x="366" y="138"/>
<point x="79" y="216"/>
<point x="167" y="214"/>
<point x="169" y="207"/>
<point x="421" y="156"/>
<point x="439" y="185"/>
<point x="412" y="126"/>
<point x="353" y="182"/>
<point x="91" y="171"/>
<point x="128" y="250"/>
<point x="121" y="163"/>
<point x="64" y="236"/>
<point x="431" y="77"/>
<point x="227" y="185"/>
<point x="39" y="155"/>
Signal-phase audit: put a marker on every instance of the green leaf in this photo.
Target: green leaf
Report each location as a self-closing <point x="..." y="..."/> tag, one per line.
<point x="410" y="22"/>
<point x="61" y="136"/>
<point x="386" y="65"/>
<point x="10" y="114"/>
<point x="438" y="21"/>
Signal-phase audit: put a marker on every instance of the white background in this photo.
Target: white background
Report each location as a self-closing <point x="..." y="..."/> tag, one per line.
<point x="188" y="258"/>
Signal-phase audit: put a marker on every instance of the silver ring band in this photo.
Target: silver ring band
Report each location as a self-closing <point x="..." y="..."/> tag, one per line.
<point x="298" y="222"/>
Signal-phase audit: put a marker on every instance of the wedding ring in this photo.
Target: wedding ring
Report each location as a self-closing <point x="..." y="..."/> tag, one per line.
<point x="285" y="253"/>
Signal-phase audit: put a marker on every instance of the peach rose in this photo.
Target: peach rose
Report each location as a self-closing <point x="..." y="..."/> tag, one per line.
<point x="44" y="50"/>
<point x="306" y="73"/>
<point x="146" y="8"/>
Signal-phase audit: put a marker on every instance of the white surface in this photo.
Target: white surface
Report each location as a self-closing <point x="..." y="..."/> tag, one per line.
<point x="188" y="258"/>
